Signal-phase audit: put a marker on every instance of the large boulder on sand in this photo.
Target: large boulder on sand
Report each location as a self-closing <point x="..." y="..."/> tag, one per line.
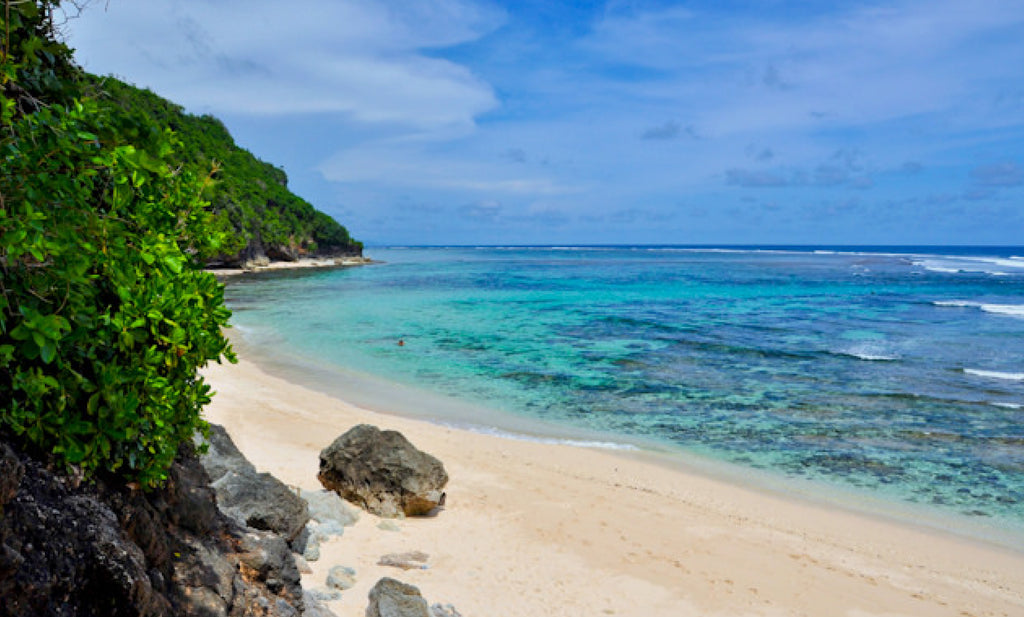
<point x="382" y="472"/>
<point x="391" y="598"/>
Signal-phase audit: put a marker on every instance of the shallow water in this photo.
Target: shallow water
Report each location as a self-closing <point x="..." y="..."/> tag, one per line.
<point x="897" y="375"/>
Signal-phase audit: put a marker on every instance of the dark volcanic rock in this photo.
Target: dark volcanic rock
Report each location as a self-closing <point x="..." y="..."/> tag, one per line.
<point x="67" y="555"/>
<point x="73" y="550"/>
<point x="382" y="472"/>
<point x="11" y="472"/>
<point x="268" y="557"/>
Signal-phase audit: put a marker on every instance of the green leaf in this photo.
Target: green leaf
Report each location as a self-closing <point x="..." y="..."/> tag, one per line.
<point x="48" y="352"/>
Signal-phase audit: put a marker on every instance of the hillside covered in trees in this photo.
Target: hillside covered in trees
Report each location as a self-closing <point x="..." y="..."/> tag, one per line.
<point x="249" y="198"/>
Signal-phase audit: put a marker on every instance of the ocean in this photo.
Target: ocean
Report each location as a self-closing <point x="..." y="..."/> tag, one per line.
<point x="890" y="379"/>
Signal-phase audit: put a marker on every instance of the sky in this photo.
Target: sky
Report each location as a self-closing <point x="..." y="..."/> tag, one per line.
<point x="619" y="122"/>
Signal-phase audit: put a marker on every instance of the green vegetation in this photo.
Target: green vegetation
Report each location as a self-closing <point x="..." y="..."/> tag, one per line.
<point x="250" y="198"/>
<point x="106" y="222"/>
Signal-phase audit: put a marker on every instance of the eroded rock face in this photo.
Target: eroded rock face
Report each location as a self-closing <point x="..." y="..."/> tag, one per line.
<point x="73" y="550"/>
<point x="382" y="472"/>
<point x="257" y="500"/>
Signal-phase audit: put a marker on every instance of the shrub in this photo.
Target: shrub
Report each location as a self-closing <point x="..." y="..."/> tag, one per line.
<point x="105" y="313"/>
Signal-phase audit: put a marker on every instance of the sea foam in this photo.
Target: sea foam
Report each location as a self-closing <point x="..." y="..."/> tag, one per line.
<point x="995" y="266"/>
<point x="1010" y="310"/>
<point x="870" y="352"/>
<point x="557" y="441"/>
<point x="995" y="374"/>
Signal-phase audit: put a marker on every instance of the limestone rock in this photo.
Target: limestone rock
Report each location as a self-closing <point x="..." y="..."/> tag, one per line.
<point x="262" y="502"/>
<point x="257" y="500"/>
<point x="341" y="577"/>
<point x="382" y="472"/>
<point x="308" y="542"/>
<point x="323" y="595"/>
<point x="314" y="601"/>
<point x="326" y="506"/>
<point x="413" y="560"/>
<point x="222" y="456"/>
<point x="444" y="610"/>
<point x="391" y="598"/>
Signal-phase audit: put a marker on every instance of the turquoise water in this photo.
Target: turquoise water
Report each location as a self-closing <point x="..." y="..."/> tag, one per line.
<point x="895" y="375"/>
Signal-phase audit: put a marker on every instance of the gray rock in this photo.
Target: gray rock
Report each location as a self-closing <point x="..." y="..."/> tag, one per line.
<point x="209" y="570"/>
<point x="270" y="560"/>
<point x="261" y="501"/>
<point x="391" y="598"/>
<point x="444" y="610"/>
<point x="413" y="560"/>
<point x="284" y="609"/>
<point x="324" y="595"/>
<point x="314" y="602"/>
<point x="341" y="577"/>
<point x="257" y="500"/>
<point x="388" y="525"/>
<point x="311" y="551"/>
<point x="309" y="540"/>
<point x="222" y="456"/>
<point x="205" y="602"/>
<point x="326" y="506"/>
<point x="382" y="472"/>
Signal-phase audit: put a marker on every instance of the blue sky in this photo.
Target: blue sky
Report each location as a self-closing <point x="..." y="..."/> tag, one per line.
<point x="464" y="122"/>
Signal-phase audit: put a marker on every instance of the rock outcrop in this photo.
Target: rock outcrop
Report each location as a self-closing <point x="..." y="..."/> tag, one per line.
<point x="77" y="550"/>
<point x="382" y="472"/>
<point x="257" y="500"/>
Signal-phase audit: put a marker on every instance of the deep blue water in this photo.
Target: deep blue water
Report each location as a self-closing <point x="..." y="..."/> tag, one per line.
<point x="897" y="373"/>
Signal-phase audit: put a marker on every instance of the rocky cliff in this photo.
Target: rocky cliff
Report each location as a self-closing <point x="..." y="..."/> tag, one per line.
<point x="71" y="549"/>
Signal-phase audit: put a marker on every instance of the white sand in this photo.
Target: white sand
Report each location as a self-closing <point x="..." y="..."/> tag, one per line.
<point x="534" y="530"/>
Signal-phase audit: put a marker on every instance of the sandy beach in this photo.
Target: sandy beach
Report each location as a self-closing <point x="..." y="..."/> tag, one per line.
<point x="538" y="529"/>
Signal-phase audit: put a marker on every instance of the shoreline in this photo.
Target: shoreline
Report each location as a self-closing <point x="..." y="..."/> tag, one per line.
<point x="298" y="264"/>
<point x="377" y="394"/>
<point x="541" y="528"/>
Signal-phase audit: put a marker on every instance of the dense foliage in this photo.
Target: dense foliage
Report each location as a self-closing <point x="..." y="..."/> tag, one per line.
<point x="250" y="198"/>
<point x="105" y="312"/>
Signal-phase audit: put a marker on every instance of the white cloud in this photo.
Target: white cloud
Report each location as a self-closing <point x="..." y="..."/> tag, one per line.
<point x="357" y="57"/>
<point x="425" y="164"/>
<point x="638" y="110"/>
<point x="852" y="67"/>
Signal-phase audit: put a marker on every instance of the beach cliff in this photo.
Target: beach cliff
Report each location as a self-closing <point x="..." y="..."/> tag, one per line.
<point x="79" y="549"/>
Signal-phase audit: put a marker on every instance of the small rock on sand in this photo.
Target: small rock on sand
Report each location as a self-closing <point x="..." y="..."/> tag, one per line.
<point x="413" y="560"/>
<point x="341" y="577"/>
